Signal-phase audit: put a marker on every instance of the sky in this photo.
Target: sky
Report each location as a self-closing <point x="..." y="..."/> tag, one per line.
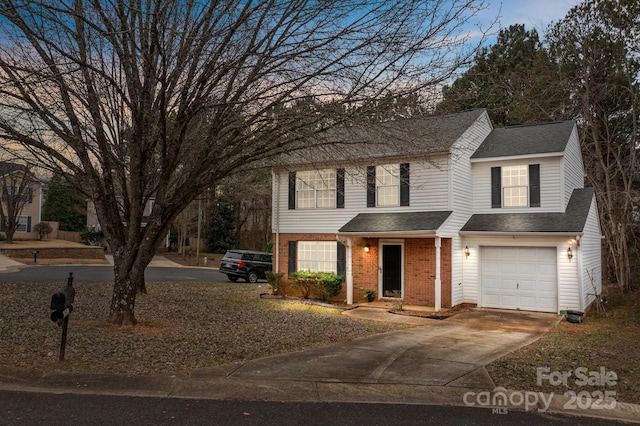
<point x="533" y="13"/>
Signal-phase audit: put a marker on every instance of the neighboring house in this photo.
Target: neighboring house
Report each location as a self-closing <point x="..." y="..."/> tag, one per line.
<point x="446" y="210"/>
<point x="31" y="212"/>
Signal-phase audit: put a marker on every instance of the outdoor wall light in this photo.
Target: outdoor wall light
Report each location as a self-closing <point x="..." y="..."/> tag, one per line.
<point x="367" y="248"/>
<point x="569" y="254"/>
<point x="466" y="251"/>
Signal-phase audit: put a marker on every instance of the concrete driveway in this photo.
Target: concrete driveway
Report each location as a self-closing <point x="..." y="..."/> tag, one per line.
<point x="450" y="352"/>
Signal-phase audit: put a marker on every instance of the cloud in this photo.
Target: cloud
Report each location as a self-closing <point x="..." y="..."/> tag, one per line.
<point x="534" y="14"/>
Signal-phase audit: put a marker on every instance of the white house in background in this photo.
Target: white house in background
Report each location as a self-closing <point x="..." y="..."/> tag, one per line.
<point x="446" y="210"/>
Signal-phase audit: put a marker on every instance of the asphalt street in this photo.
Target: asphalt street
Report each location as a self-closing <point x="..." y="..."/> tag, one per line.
<point x="25" y="409"/>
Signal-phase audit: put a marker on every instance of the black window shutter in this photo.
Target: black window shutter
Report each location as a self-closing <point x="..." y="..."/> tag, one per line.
<point x="30" y="195"/>
<point x="534" y="185"/>
<point x="292" y="190"/>
<point x="371" y="186"/>
<point x="28" y="223"/>
<point x="342" y="259"/>
<point x="496" y="187"/>
<point x="292" y="266"/>
<point x="404" y="184"/>
<point x="340" y="188"/>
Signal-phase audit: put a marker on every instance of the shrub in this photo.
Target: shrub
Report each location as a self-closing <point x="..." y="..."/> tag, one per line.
<point x="43" y="229"/>
<point x="275" y="281"/>
<point x="327" y="284"/>
<point x="92" y="236"/>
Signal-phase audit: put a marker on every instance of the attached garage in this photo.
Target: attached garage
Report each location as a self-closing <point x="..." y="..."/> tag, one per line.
<point x="523" y="278"/>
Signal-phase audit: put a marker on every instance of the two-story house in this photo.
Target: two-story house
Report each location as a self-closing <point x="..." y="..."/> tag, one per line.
<point x="12" y="177"/>
<point x="441" y="211"/>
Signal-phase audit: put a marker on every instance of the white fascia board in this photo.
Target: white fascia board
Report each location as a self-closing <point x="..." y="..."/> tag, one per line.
<point x="517" y="157"/>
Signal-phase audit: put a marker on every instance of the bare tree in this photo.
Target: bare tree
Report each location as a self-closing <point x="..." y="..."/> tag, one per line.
<point x="16" y="186"/>
<point x="597" y="48"/>
<point x="137" y="99"/>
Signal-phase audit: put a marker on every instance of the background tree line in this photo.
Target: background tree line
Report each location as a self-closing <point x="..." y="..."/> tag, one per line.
<point x="584" y="68"/>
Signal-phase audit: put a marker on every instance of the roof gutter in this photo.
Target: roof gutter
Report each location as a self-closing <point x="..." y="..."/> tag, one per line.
<point x="545" y="234"/>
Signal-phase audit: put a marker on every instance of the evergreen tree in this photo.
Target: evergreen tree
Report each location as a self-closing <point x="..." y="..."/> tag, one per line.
<point x="220" y="235"/>
<point x="64" y="206"/>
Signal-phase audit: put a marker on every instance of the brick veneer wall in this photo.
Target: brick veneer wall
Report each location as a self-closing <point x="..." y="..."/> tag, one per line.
<point x="419" y="267"/>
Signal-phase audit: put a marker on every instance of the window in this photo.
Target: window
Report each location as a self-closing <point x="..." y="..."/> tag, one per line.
<point x="515" y="186"/>
<point x="317" y="256"/>
<point x="24" y="224"/>
<point x="316" y="189"/>
<point x="388" y="185"/>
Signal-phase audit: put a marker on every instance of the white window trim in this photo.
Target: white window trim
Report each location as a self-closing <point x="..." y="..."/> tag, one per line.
<point x="384" y="172"/>
<point x="504" y="188"/>
<point x="309" y="178"/>
<point x="313" y="263"/>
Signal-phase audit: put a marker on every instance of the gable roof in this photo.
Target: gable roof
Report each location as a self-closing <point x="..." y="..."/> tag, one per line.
<point x="571" y="222"/>
<point x="395" y="138"/>
<point x="525" y="140"/>
<point x="389" y="223"/>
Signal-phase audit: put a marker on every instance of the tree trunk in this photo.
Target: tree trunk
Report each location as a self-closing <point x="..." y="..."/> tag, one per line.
<point x="128" y="270"/>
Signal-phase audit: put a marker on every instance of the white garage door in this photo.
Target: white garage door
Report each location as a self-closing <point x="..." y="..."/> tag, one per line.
<point x="519" y="278"/>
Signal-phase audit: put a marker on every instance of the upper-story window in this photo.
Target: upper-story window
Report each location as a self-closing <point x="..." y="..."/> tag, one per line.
<point x="388" y="185"/>
<point x="316" y="189"/>
<point x="515" y="186"/>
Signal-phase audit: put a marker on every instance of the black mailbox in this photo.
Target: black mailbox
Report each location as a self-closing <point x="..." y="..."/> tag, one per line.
<point x="61" y="303"/>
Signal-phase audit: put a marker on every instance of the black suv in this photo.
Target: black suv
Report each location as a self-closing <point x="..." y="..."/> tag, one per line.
<point x="246" y="264"/>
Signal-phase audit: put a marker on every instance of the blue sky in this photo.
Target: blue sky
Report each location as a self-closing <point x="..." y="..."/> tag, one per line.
<point x="533" y="13"/>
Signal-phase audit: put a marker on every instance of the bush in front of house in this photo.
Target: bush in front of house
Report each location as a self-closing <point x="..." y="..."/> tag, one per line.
<point x="43" y="229"/>
<point x="326" y="284"/>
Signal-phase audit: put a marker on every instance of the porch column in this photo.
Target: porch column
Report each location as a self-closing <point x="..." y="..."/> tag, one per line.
<point x="438" y="281"/>
<point x="349" y="271"/>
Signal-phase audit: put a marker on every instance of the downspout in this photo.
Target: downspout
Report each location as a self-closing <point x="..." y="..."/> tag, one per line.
<point x="438" y="281"/>
<point x="583" y="291"/>
<point x="276" y="220"/>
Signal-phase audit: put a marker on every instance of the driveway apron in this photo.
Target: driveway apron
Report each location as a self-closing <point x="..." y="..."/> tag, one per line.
<point x="451" y="352"/>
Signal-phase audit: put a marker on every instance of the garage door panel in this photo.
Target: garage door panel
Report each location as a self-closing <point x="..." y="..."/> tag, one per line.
<point x="519" y="278"/>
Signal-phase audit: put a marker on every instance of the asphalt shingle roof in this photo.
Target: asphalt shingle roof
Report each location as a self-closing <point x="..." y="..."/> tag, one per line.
<point x="572" y="221"/>
<point x="525" y="140"/>
<point x="395" y="222"/>
<point x="394" y="138"/>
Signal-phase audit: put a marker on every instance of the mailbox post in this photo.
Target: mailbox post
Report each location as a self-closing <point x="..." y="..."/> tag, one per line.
<point x="61" y="306"/>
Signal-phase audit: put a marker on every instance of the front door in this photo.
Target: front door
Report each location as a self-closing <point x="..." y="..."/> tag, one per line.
<point x="391" y="270"/>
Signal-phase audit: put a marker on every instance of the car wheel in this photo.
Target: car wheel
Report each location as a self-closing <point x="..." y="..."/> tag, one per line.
<point x="232" y="278"/>
<point x="252" y="277"/>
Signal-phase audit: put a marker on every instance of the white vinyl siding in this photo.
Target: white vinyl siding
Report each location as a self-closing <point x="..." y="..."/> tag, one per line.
<point x="550" y="185"/>
<point x="317" y="256"/>
<point x="429" y="192"/>
<point x="590" y="255"/>
<point x="573" y="167"/>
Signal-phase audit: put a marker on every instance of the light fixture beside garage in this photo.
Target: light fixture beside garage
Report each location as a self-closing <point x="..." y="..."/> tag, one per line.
<point x="569" y="254"/>
<point x="367" y="248"/>
<point x="466" y="251"/>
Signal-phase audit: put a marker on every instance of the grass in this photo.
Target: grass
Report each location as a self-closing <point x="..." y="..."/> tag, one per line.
<point x="609" y="340"/>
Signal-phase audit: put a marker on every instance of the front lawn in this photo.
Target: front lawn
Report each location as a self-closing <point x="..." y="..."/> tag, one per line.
<point x="607" y="341"/>
<point x="182" y="326"/>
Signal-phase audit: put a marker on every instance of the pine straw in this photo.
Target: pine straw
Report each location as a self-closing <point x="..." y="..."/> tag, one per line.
<point x="182" y="326"/>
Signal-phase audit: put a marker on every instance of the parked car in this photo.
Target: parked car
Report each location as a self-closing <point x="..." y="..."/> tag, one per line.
<point x="246" y="264"/>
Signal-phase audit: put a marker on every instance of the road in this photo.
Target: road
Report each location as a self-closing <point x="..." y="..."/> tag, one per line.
<point x="83" y="273"/>
<point x="25" y="409"/>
